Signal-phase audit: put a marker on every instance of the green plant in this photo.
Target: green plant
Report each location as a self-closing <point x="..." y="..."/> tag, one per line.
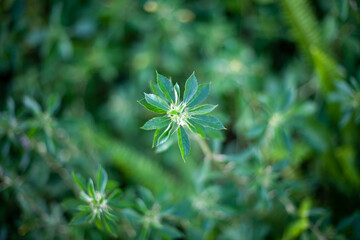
<point x="348" y="97"/>
<point x="99" y="204"/>
<point x="287" y="167"/>
<point x="180" y="114"/>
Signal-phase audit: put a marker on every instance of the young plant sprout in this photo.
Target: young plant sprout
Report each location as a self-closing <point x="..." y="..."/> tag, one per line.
<point x="179" y="114"/>
<point x="99" y="204"/>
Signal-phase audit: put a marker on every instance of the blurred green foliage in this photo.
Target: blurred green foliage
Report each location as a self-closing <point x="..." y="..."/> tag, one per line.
<point x="284" y="74"/>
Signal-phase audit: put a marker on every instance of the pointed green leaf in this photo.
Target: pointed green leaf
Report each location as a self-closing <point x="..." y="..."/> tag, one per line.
<point x="166" y="87"/>
<point x="110" y="226"/>
<point x="151" y="107"/>
<point x="83" y="196"/>
<point x="157" y="134"/>
<point x="184" y="143"/>
<point x="201" y="94"/>
<point x="166" y="134"/>
<point x="102" y="179"/>
<point x="156" y="123"/>
<point x="132" y="215"/>
<point x="156" y="90"/>
<point x="91" y="188"/>
<point x="157" y="102"/>
<point x="191" y="87"/>
<point x="196" y="128"/>
<point x="164" y="146"/>
<point x="203" y="109"/>
<point x="208" y="121"/>
<point x="52" y="104"/>
<point x="213" y="133"/>
<point x="80" y="181"/>
<point x="81" y="218"/>
<point x="111" y="217"/>
<point x="170" y="232"/>
<point x="86" y="208"/>
<point x="31" y="104"/>
<point x="116" y="193"/>
<point x="49" y="142"/>
<point x="72" y="204"/>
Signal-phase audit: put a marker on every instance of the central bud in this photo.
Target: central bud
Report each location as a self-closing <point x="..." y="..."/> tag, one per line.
<point x="178" y="114"/>
<point x="99" y="203"/>
<point x="275" y="120"/>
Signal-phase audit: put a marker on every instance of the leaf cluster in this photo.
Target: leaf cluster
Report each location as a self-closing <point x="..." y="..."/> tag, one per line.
<point x="181" y="114"/>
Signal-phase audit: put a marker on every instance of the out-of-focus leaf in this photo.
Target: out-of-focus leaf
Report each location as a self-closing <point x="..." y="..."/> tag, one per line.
<point x="102" y="179"/>
<point x="32" y="105"/>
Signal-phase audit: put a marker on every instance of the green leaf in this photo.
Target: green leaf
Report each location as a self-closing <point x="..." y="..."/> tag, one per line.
<point x="81" y="218"/>
<point x="164" y="146"/>
<point x="196" y="128"/>
<point x="86" y="208"/>
<point x="157" y="134"/>
<point x="147" y="196"/>
<point x="72" y="204"/>
<point x="156" y="101"/>
<point x="83" y="196"/>
<point x="184" y="143"/>
<point x="156" y="90"/>
<point x="166" y="134"/>
<point x="109" y="216"/>
<point x="52" y="104"/>
<point x="170" y="232"/>
<point x="31" y="104"/>
<point x="49" y="142"/>
<point x="116" y="193"/>
<point x="132" y="215"/>
<point x="203" y="109"/>
<point x="91" y="188"/>
<point x="110" y="226"/>
<point x="191" y="87"/>
<point x="201" y="94"/>
<point x="289" y="99"/>
<point x="215" y="134"/>
<point x="151" y="107"/>
<point x="102" y="179"/>
<point x="166" y="87"/>
<point x="256" y="131"/>
<point x="156" y="123"/>
<point x="208" y="121"/>
<point x="80" y="181"/>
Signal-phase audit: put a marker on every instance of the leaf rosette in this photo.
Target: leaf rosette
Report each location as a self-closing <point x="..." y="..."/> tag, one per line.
<point x="180" y="115"/>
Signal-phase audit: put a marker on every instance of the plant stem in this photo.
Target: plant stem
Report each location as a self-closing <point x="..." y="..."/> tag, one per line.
<point x="218" y="161"/>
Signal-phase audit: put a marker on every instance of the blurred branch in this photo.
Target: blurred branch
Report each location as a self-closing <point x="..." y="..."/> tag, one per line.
<point x="218" y="161"/>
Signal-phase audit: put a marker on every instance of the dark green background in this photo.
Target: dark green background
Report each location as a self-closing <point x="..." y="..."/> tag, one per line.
<point x="96" y="59"/>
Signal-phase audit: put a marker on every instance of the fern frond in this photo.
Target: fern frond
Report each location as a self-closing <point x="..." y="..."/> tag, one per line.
<point x="304" y="25"/>
<point x="326" y="68"/>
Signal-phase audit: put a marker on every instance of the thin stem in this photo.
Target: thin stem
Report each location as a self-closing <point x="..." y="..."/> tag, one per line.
<point x="204" y="147"/>
<point x="217" y="160"/>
